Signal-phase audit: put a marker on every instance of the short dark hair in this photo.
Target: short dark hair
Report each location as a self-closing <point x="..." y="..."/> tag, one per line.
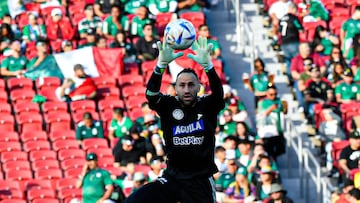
<point x="119" y="111"/>
<point x="357" y="8"/>
<point x="260" y="61"/>
<point x="87" y="6"/>
<point x="78" y="66"/>
<point x="87" y="115"/>
<point x="203" y="25"/>
<point x="219" y="149"/>
<point x="147" y="24"/>
<point x="187" y="70"/>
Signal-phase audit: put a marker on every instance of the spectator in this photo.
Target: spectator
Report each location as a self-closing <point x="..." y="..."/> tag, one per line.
<point x="49" y="3"/>
<point x="147" y="117"/>
<point x="314" y="11"/>
<point x="139" y="143"/>
<point x="120" y="124"/>
<point x="124" y="152"/>
<point x="156" y="169"/>
<point x="146" y="46"/>
<point x="261" y="160"/>
<point x="90" y="40"/>
<point x="150" y="124"/>
<point x="127" y="47"/>
<point x="41" y="48"/>
<point x="6" y="37"/>
<point x="237" y="114"/>
<point x="348" y="90"/>
<point x="89" y="128"/>
<point x="301" y="83"/>
<point x="355" y="65"/>
<point x="7" y="19"/>
<point x="90" y="22"/>
<point x="204" y="31"/>
<point x="140" y="19"/>
<point x="59" y="27"/>
<point x="230" y="144"/>
<point x="227" y="124"/>
<point x="101" y="42"/>
<point x="244" y="152"/>
<point x="225" y="179"/>
<point x="278" y="195"/>
<point x="240" y="188"/>
<point x="95" y="182"/>
<point x="276" y="11"/>
<point x="132" y="5"/>
<point x="79" y="87"/>
<point x="354" y="195"/>
<point x="115" y="22"/>
<point x="350" y="155"/>
<point x="220" y="161"/>
<point x="337" y="75"/>
<point x="15" y="64"/>
<point x="33" y="31"/>
<point x="260" y="80"/>
<point x="349" y="29"/>
<point x="324" y="41"/>
<point x="184" y="6"/>
<point x="103" y="7"/>
<point x="344" y="196"/>
<point x="268" y="123"/>
<point x="67" y="46"/>
<point x="154" y="147"/>
<point x="160" y="6"/>
<point x="139" y="180"/>
<point x="243" y="132"/>
<point x="336" y="56"/>
<point x="263" y="187"/>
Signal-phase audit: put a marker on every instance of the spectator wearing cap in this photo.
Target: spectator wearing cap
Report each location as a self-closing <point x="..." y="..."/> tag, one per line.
<point x="350" y="155"/>
<point x="15" y="64"/>
<point x="240" y="189"/>
<point x="88" y="128"/>
<point x="229" y="95"/>
<point x="349" y="29"/>
<point x="90" y="22"/>
<point x="145" y="46"/>
<point x="227" y="123"/>
<point x="124" y="152"/>
<point x="348" y="90"/>
<point x="139" y="180"/>
<point x="150" y="125"/>
<point x="120" y="124"/>
<point x="238" y="115"/>
<point x="33" y="31"/>
<point x="278" y="195"/>
<point x="156" y="169"/>
<point x="103" y="7"/>
<point x="90" y="40"/>
<point x="79" y="87"/>
<point x="59" y="27"/>
<point x="260" y="160"/>
<point x="137" y="23"/>
<point x="263" y="187"/>
<point x="115" y="22"/>
<point x="42" y="55"/>
<point x="67" y="46"/>
<point x="259" y="80"/>
<point x="95" y="182"/>
<point x="160" y="6"/>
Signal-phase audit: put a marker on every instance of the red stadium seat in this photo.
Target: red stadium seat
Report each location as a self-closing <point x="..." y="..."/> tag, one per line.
<point x="54" y="106"/>
<point x="65" y="144"/>
<point x="142" y="168"/>
<point x="9" y="136"/>
<point x="48" y="174"/>
<point x="335" y="25"/>
<point x="78" y="116"/>
<point x="135" y="102"/>
<point x="5" y="108"/>
<point x="105" y="82"/>
<point x="133" y="91"/>
<point x="62" y="135"/>
<point x="26" y="107"/>
<point x="11" y="195"/>
<point x="37" y="184"/>
<point x="76" y="8"/>
<point x="47" y="82"/>
<point x="33" y="136"/>
<point x="114" y="170"/>
<point x="73" y="172"/>
<point x="19" y="175"/>
<point x="110" y="104"/>
<point x="16" y="165"/>
<point x="66" y="183"/>
<point x="40" y="194"/>
<point x="57" y="121"/>
<point x="13" y="201"/>
<point x="108" y="93"/>
<point x="72" y="163"/>
<point x="196" y="18"/>
<point x="113" y="142"/>
<point x="48" y="93"/>
<point x="42" y="155"/>
<point x="71" y="154"/>
<point x="309" y="28"/>
<point x="7" y="122"/>
<point x="131" y="80"/>
<point x="36" y="145"/>
<point x="68" y="193"/>
<point x="106" y="162"/>
<point x="3" y="96"/>
<point x="19" y="83"/>
<point x="9" y="146"/>
<point x="2" y="84"/>
<point x="45" y="12"/>
<point x="335" y="153"/>
<point x="30" y="122"/>
<point x="162" y="19"/>
<point x="14" y="156"/>
<point x="101" y="152"/>
<point x="135" y="113"/>
<point x="45" y="164"/>
<point x="148" y="66"/>
<point x="94" y="143"/>
<point x="83" y="105"/>
<point x="76" y="18"/>
<point x="46" y="200"/>
<point x="9" y="184"/>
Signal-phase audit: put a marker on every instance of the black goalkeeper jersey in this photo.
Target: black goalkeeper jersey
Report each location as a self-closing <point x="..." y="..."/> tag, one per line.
<point x="188" y="130"/>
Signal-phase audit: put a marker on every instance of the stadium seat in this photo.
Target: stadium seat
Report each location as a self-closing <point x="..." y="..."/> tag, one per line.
<point x="101" y="152"/>
<point x="335" y="25"/>
<point x="113" y="142"/>
<point x="67" y="193"/>
<point x="9" y="184"/>
<point x="106" y="117"/>
<point x="3" y="96"/>
<point x="105" y="82"/>
<point x="114" y="170"/>
<point x="196" y="18"/>
<point x="48" y="93"/>
<point x="148" y="66"/>
<point x="37" y="184"/>
<point x="133" y="102"/>
<point x="42" y="155"/>
<point x="48" y="174"/>
<point x="131" y="80"/>
<point x="9" y="136"/>
<point x="64" y="154"/>
<point x="335" y="153"/>
<point x="26" y="107"/>
<point x="19" y="83"/>
<point x="16" y="165"/>
<point x="65" y="144"/>
<point x="36" y="145"/>
<point x="54" y="106"/>
<point x="9" y="146"/>
<point x="7" y="122"/>
<point x="33" y="136"/>
<point x="13" y="201"/>
<point x="45" y="164"/>
<point x="5" y="107"/>
<point x="135" y="113"/>
<point x="40" y="194"/>
<point x="94" y="143"/>
<point x="106" y="162"/>
<point x="72" y="163"/>
<point x="133" y="91"/>
<point x="110" y="104"/>
<point x="12" y="194"/>
<point x="108" y="93"/>
<point x="83" y="105"/>
<point x="2" y="84"/>
<point x="52" y="82"/>
<point x="22" y="95"/>
<point x="76" y="18"/>
<point x="57" y="121"/>
<point x="78" y="116"/>
<point x="20" y="175"/>
<point x="46" y="11"/>
<point x="142" y="168"/>
<point x="162" y="19"/>
<point x="46" y="200"/>
<point x="30" y="122"/>
<point x="14" y="156"/>
<point x="73" y="172"/>
<point x="62" y="135"/>
<point x="66" y="183"/>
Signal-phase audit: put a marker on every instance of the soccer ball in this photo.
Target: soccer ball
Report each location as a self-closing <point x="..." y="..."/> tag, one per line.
<point x="179" y="34"/>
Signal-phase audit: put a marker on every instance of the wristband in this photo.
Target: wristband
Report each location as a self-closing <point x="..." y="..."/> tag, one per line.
<point x="209" y="67"/>
<point x="159" y="70"/>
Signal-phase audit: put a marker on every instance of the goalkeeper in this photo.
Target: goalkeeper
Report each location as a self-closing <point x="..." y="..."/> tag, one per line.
<point x="188" y="123"/>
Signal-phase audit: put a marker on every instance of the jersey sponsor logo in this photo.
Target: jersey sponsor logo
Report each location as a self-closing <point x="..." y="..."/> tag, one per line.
<point x="189" y="140"/>
<point x="188" y="129"/>
<point x="178" y="114"/>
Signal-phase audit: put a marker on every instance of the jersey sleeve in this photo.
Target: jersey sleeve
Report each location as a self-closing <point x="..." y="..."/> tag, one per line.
<point x="5" y="63"/>
<point x="153" y="94"/>
<point x="338" y="89"/>
<point x="216" y="98"/>
<point x="107" y="178"/>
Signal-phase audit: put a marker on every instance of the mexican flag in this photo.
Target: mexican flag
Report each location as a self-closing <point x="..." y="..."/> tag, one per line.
<point x="12" y="7"/>
<point x="96" y="62"/>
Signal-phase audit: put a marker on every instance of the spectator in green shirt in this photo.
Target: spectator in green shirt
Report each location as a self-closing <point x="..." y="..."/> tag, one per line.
<point x="89" y="128"/>
<point x="120" y="124"/>
<point x="132" y="5"/>
<point x="33" y="31"/>
<point x="349" y="29"/>
<point x="324" y="41"/>
<point x="90" y="39"/>
<point x="95" y="182"/>
<point x="103" y="7"/>
<point x="259" y="80"/>
<point x="90" y="22"/>
<point x="15" y="64"/>
<point x="347" y="91"/>
<point x="204" y="31"/>
<point x="41" y="48"/>
<point x="115" y="22"/>
<point x="141" y="18"/>
<point x="162" y="6"/>
<point x="225" y="179"/>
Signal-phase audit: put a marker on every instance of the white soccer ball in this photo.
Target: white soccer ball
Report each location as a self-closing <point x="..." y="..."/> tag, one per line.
<point x="180" y="34"/>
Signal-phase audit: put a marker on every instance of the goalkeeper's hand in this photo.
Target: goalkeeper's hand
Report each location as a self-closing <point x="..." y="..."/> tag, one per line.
<point x="166" y="55"/>
<point x="202" y="50"/>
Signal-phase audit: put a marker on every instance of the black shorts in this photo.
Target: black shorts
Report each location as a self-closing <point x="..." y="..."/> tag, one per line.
<point x="168" y="190"/>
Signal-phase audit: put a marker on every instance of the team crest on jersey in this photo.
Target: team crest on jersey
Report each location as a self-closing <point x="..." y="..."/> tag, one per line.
<point x="178" y="114"/>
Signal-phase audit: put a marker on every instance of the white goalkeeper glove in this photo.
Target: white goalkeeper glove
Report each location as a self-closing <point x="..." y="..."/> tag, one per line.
<point x="202" y="50"/>
<point x="166" y="55"/>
